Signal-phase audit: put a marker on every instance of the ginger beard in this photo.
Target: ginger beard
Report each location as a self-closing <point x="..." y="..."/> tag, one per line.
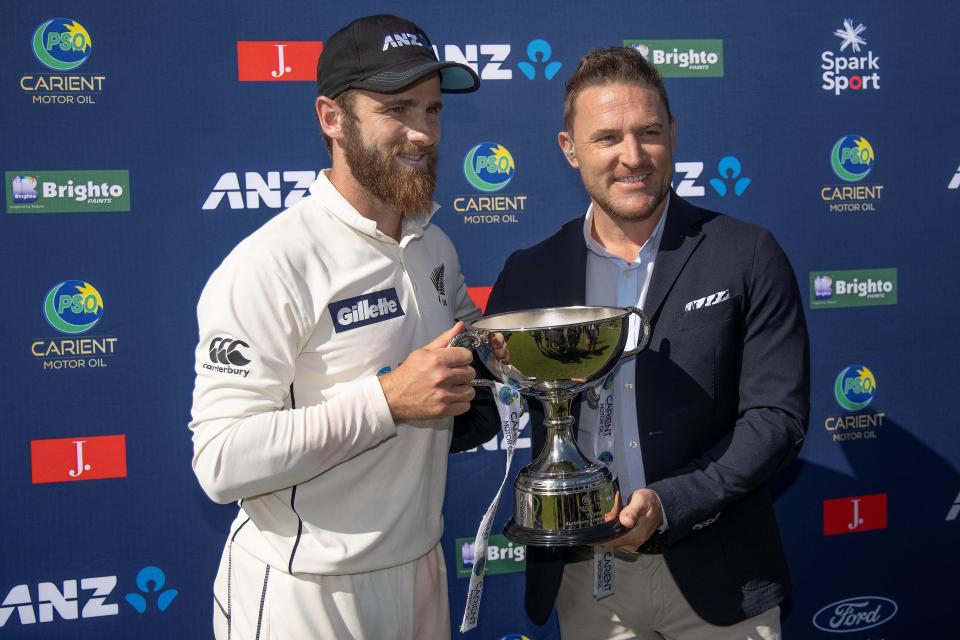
<point x="375" y="168"/>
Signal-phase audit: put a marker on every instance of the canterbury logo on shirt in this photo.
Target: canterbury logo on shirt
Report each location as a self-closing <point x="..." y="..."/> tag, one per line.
<point x="227" y="351"/>
<point x="366" y="309"/>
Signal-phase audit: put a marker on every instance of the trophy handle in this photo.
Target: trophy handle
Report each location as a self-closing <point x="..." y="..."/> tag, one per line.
<point x="644" y="336"/>
<point x="469" y="339"/>
<point x="472" y="339"/>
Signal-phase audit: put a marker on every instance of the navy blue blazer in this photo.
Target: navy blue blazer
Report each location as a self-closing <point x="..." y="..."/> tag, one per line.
<point x="723" y="394"/>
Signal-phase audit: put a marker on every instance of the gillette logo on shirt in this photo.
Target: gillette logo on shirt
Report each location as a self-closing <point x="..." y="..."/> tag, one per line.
<point x="366" y="309"/>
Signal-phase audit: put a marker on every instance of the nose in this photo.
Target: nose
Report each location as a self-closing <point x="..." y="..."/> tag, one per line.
<point x="632" y="152"/>
<point x="424" y="132"/>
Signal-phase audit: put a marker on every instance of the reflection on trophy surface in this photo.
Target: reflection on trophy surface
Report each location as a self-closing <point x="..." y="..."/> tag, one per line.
<point x="562" y="497"/>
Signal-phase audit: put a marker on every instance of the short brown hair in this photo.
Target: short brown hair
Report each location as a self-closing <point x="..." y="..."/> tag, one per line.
<point x="615" y="64"/>
<point x="345" y="101"/>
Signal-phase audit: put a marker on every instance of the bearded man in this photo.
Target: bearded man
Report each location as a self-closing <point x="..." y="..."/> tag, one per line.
<point x="313" y="406"/>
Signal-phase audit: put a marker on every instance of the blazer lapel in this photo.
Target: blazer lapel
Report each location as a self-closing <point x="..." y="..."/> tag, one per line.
<point x="681" y="235"/>
<point x="569" y="274"/>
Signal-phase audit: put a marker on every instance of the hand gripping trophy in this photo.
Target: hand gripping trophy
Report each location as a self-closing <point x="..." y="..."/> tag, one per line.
<point x="562" y="498"/>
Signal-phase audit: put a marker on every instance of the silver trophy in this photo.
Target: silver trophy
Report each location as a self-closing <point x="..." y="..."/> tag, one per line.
<point x="562" y="498"/>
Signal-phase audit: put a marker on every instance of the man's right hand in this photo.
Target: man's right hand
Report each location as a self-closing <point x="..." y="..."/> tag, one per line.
<point x="433" y="382"/>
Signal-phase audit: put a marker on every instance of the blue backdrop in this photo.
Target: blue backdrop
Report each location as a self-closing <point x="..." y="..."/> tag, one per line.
<point x="141" y="141"/>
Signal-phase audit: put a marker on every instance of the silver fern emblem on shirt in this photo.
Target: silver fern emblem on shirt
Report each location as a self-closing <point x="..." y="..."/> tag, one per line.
<point x="436" y="277"/>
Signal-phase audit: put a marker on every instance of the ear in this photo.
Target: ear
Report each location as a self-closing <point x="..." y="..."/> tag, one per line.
<point x="330" y="117"/>
<point x="673" y="136"/>
<point x="565" y="140"/>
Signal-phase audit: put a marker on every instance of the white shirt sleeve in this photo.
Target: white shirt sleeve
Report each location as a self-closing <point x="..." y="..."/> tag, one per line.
<point x="247" y="440"/>
<point x="466" y="310"/>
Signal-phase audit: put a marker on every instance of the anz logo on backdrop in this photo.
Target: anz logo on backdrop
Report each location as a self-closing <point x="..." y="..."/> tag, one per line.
<point x="493" y="61"/>
<point x="81" y="598"/>
<point x="251" y="190"/>
<point x="729" y="178"/>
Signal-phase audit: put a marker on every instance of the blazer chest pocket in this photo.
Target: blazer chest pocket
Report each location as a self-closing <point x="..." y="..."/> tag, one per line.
<point x="709" y="316"/>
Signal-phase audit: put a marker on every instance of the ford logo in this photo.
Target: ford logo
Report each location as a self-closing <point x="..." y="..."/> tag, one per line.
<point x="855" y="614"/>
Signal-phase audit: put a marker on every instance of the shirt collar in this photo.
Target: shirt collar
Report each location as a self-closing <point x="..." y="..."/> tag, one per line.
<point x="334" y="202"/>
<point x="651" y="245"/>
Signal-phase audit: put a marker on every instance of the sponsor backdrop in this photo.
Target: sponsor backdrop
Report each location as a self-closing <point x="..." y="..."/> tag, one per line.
<point x="141" y="142"/>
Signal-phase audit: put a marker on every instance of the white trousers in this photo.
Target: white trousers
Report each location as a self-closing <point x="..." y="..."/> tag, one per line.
<point x="253" y="601"/>
<point x="646" y="605"/>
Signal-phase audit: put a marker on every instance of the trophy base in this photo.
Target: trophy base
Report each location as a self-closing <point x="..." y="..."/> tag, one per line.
<point x="559" y="538"/>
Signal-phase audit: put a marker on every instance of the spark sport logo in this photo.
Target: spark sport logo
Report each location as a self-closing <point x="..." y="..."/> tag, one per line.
<point x="80" y="458"/>
<point x="854" y="389"/>
<point x="843" y="72"/>
<point x="83" y="598"/>
<point x="62" y="45"/>
<point x="854" y="514"/>
<point x="73" y="308"/>
<point x="852" y="158"/>
<point x="489" y="167"/>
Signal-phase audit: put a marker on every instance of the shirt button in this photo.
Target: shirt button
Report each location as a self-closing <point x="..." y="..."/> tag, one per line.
<point x="634" y="444"/>
<point x="629" y="385"/>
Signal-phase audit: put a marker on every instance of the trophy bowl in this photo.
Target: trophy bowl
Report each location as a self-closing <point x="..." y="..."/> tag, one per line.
<point x="562" y="498"/>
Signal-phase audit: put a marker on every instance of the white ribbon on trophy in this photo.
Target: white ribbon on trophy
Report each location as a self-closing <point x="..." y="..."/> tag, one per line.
<point x="603" y="449"/>
<point x="512" y="422"/>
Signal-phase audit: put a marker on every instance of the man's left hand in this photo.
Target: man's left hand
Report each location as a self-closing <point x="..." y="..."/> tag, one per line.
<point x="643" y="515"/>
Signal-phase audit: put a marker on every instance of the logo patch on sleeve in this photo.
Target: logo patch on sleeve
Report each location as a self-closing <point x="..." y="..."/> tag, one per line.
<point x="367" y="309"/>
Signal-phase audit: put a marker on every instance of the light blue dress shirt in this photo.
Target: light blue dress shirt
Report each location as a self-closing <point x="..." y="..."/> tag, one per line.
<point x="612" y="282"/>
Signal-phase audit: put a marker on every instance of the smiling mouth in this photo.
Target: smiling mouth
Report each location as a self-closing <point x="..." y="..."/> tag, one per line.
<point x="415" y="160"/>
<point x="632" y="179"/>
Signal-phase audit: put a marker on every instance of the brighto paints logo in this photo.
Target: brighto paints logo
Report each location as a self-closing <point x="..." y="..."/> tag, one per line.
<point x="503" y="556"/>
<point x="61" y="44"/>
<point x="67" y="191"/>
<point x="843" y="73"/>
<point x="488" y="167"/>
<point x="682" y="58"/>
<point x="855" y="387"/>
<point x="852" y="158"/>
<point x="853" y="288"/>
<point x="73" y="307"/>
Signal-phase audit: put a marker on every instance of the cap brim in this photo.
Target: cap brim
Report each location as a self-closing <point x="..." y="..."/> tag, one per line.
<point x="454" y="77"/>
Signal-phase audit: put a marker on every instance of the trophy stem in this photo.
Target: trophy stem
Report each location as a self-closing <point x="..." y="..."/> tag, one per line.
<point x="562" y="497"/>
<point x="560" y="454"/>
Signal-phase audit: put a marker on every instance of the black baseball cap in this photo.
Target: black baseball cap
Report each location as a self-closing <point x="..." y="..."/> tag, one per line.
<point x="386" y="54"/>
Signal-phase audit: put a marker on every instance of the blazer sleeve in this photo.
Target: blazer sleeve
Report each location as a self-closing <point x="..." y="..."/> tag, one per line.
<point x="774" y="402"/>
<point x="482" y="421"/>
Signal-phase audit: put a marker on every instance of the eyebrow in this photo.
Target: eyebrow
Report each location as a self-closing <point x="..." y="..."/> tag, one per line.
<point x="406" y="102"/>
<point x="653" y="124"/>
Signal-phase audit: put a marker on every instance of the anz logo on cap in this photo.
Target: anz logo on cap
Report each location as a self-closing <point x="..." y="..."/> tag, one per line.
<point x="367" y="309"/>
<point x="404" y="39"/>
